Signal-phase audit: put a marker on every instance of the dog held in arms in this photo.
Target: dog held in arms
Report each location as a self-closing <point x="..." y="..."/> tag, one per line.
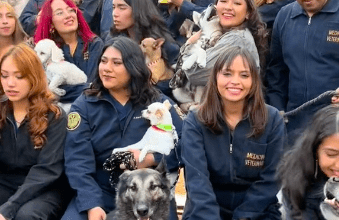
<point x="330" y="207"/>
<point x="142" y="194"/>
<point x="58" y="71"/>
<point x="195" y="54"/>
<point x="161" y="136"/>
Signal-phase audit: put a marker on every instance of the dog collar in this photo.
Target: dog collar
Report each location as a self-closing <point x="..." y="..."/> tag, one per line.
<point x="163" y="127"/>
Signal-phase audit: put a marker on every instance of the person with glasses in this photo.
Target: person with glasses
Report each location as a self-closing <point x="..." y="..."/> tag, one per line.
<point x="63" y="22"/>
<point x="91" y="9"/>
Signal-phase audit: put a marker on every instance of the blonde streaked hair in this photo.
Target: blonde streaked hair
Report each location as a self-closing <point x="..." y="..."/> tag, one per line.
<point x="19" y="35"/>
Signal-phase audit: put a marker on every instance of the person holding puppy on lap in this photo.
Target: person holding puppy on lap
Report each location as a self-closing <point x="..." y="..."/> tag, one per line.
<point x="308" y="165"/>
<point x="236" y="141"/>
<point x="63" y="22"/>
<point x="108" y="116"/>
<point x="32" y="137"/>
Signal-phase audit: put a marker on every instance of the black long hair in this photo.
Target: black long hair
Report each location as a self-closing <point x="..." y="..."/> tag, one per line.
<point x="142" y="91"/>
<point x="297" y="170"/>
<point x="148" y="21"/>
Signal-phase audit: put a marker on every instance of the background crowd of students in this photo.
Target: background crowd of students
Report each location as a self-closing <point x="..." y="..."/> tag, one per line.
<point x="235" y="147"/>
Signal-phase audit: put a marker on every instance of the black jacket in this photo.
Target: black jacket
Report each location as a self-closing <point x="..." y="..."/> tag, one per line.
<point x="30" y="171"/>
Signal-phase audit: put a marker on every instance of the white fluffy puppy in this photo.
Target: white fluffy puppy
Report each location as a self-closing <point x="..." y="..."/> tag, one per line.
<point x="58" y="71"/>
<point x="161" y="136"/>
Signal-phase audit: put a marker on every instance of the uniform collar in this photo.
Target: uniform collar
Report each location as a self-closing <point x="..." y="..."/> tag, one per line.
<point x="330" y="7"/>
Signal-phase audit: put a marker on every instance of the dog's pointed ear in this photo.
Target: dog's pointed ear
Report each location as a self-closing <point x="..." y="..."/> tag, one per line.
<point x="158" y="113"/>
<point x="57" y="54"/>
<point x="167" y="104"/>
<point x="158" y="43"/>
<point x="196" y="17"/>
<point x="161" y="168"/>
<point x="123" y="180"/>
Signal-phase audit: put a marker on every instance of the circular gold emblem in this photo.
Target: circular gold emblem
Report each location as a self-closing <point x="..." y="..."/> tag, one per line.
<point x="74" y="120"/>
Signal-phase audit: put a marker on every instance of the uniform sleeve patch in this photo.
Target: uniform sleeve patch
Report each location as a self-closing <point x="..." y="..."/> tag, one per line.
<point x="74" y="120"/>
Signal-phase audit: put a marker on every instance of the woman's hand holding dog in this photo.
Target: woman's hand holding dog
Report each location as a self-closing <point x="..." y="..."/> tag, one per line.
<point x="147" y="162"/>
<point x="96" y="213"/>
<point x="2" y="217"/>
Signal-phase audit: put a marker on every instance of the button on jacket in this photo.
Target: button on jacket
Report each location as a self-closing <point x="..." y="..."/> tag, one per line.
<point x="232" y="176"/>
<point x="90" y="144"/>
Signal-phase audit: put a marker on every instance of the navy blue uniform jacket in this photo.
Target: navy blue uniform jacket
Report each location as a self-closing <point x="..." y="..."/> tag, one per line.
<point x="88" y="65"/>
<point x="232" y="176"/>
<point x="89" y="145"/>
<point x="31" y="171"/>
<point x="304" y="55"/>
<point x="91" y="10"/>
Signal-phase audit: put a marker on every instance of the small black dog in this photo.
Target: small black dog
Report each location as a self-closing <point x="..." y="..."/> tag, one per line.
<point x="142" y="194"/>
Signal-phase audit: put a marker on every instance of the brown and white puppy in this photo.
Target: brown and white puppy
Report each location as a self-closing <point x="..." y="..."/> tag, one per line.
<point x="152" y="50"/>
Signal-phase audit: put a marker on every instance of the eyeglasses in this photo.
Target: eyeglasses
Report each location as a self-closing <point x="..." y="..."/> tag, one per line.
<point x="68" y="11"/>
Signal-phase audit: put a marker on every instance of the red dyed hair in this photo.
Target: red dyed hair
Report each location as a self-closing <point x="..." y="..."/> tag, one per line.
<point x="45" y="25"/>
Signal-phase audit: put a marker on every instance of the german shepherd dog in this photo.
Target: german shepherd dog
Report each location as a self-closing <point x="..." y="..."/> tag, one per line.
<point x="330" y="206"/>
<point x="142" y="194"/>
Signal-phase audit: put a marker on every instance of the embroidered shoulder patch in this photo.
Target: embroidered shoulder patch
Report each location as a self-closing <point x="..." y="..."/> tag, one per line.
<point x="74" y="120"/>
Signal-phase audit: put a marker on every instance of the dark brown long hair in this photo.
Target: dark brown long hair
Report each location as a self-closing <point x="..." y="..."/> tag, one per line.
<point x="211" y="111"/>
<point x="41" y="99"/>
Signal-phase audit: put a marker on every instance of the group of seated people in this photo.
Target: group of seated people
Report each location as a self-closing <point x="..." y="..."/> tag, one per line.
<point x="237" y="147"/>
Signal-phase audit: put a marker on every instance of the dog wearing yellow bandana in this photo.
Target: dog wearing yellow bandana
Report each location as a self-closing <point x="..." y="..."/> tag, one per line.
<point x="161" y="136"/>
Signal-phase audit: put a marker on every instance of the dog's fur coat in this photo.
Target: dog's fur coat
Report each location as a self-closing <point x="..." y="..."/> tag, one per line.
<point x="155" y="139"/>
<point x="142" y="194"/>
<point x="195" y="54"/>
<point x="330" y="207"/>
<point x="58" y="71"/>
<point x="210" y="32"/>
<point x="152" y="50"/>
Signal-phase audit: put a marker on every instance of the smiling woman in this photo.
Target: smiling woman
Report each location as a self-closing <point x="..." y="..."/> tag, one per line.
<point x="236" y="141"/>
<point x="62" y="22"/>
<point x="313" y="159"/>
<point x="105" y="117"/>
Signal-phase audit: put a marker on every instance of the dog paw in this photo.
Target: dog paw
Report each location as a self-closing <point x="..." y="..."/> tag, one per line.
<point x="59" y="92"/>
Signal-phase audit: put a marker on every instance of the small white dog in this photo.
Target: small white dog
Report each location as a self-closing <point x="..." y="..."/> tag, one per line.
<point x="161" y="136"/>
<point x="58" y="71"/>
<point x="210" y="32"/>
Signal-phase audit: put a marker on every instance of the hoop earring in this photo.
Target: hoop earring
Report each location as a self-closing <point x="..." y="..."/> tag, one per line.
<point x="52" y="30"/>
<point x="316" y="169"/>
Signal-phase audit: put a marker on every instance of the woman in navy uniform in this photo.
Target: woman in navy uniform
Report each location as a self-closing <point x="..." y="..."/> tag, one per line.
<point x="308" y="165"/>
<point x="32" y="138"/>
<point x="63" y="22"/>
<point x="232" y="144"/>
<point x="108" y="116"/>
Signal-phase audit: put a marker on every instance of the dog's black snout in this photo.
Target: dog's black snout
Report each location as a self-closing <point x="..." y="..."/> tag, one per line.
<point x="335" y="179"/>
<point x="142" y="211"/>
